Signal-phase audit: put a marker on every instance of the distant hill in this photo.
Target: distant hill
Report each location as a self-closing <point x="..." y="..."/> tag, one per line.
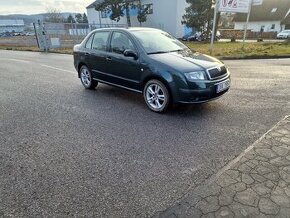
<point x="31" y="18"/>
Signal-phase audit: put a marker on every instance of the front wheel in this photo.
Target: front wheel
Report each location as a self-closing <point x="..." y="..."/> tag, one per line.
<point x="156" y="96"/>
<point x="86" y="78"/>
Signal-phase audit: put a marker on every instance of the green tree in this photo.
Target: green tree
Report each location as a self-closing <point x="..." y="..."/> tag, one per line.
<point x="70" y="19"/>
<point x="142" y="12"/>
<point x="79" y="18"/>
<point x="199" y="15"/>
<point x="117" y="8"/>
<point x="85" y="18"/>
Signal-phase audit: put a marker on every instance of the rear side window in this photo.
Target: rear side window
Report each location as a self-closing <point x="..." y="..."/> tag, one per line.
<point x="89" y="42"/>
<point x="100" y="41"/>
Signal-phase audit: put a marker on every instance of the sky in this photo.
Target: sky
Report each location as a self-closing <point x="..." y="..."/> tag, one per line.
<point x="40" y="6"/>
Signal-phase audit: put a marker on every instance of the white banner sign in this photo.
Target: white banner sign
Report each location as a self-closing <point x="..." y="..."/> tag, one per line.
<point x="238" y="6"/>
<point x="257" y="2"/>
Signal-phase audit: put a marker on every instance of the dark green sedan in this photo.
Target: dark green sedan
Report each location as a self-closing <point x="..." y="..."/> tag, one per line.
<point x="151" y="62"/>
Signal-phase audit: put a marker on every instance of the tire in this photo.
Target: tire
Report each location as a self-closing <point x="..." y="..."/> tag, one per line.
<point x="86" y="78"/>
<point x="156" y="96"/>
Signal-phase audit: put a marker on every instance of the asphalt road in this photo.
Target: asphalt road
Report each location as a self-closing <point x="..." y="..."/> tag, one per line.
<point x="66" y="151"/>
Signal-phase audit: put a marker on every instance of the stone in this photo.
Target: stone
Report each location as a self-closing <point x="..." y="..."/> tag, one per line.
<point x="244" y="168"/>
<point x="280" y="161"/>
<point x="285" y="140"/>
<point x="226" y="196"/>
<point x="192" y="198"/>
<point x="246" y="178"/>
<point x="263" y="170"/>
<point x="252" y="163"/>
<point x="285" y="176"/>
<point x="287" y="169"/>
<point x="283" y="131"/>
<point x="224" y="212"/>
<point x="269" y="184"/>
<point x="287" y="191"/>
<point x="278" y="191"/>
<point x="243" y="210"/>
<point x="272" y="176"/>
<point x="266" y="206"/>
<point x="258" y="178"/>
<point x="267" y="153"/>
<point x="260" y="158"/>
<point x="261" y="189"/>
<point x="233" y="173"/>
<point x="209" y="215"/>
<point x="238" y="187"/>
<point x="281" y="151"/>
<point x="208" y="205"/>
<point x="281" y="200"/>
<point x="284" y="213"/>
<point x="288" y="157"/>
<point x="250" y="154"/>
<point x="247" y="197"/>
<point x="282" y="184"/>
<point x="225" y="180"/>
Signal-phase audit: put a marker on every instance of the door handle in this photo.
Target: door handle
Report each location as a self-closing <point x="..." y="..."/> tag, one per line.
<point x="108" y="58"/>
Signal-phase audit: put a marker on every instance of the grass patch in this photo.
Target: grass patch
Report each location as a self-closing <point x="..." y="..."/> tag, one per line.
<point x="251" y="50"/>
<point x="222" y="50"/>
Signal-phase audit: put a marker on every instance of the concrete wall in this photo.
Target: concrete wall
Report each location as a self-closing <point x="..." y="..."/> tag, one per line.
<point x="256" y="26"/>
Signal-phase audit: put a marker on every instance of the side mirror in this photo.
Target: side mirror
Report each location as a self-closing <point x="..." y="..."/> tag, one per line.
<point x="130" y="53"/>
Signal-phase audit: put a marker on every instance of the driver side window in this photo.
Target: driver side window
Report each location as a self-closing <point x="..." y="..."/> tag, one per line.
<point x="120" y="42"/>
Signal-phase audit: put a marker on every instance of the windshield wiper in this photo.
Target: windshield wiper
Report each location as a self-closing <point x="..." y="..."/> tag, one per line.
<point x="157" y="52"/>
<point x="177" y="50"/>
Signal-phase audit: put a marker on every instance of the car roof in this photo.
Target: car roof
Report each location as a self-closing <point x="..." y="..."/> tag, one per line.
<point x="130" y="29"/>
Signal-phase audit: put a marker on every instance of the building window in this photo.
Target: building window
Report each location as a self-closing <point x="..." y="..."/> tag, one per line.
<point x="273" y="27"/>
<point x="104" y="14"/>
<point x="148" y="8"/>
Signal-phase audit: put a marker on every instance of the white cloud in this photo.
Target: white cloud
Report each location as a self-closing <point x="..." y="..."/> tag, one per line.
<point x="40" y="6"/>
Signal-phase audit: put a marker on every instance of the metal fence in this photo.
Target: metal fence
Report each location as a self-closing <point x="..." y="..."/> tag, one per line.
<point x="54" y="35"/>
<point x="66" y="35"/>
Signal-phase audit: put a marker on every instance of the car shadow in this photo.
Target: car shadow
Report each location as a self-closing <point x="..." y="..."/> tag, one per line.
<point x="124" y="99"/>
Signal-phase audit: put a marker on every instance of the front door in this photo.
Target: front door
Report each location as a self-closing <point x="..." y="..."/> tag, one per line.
<point x="125" y="70"/>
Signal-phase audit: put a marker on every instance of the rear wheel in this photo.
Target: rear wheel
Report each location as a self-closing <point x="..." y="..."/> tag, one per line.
<point x="86" y="78"/>
<point x="156" y="96"/>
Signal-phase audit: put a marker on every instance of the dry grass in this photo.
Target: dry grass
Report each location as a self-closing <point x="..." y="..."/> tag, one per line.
<point x="234" y="50"/>
<point x="223" y="50"/>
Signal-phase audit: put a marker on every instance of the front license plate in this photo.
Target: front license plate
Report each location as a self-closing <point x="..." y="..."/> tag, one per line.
<point x="223" y="86"/>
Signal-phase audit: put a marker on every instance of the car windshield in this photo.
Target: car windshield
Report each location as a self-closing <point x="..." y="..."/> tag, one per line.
<point x="156" y="42"/>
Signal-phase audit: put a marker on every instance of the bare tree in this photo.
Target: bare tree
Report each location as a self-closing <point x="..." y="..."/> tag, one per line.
<point x="53" y="15"/>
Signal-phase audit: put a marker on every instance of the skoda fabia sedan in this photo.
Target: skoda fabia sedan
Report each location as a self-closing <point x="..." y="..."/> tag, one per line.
<point x="151" y="62"/>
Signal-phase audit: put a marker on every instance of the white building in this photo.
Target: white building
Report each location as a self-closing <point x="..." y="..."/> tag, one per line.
<point x="163" y="14"/>
<point x="270" y="16"/>
<point x="11" y="26"/>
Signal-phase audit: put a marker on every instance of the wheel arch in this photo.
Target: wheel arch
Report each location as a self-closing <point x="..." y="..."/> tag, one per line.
<point x="79" y="67"/>
<point x="159" y="78"/>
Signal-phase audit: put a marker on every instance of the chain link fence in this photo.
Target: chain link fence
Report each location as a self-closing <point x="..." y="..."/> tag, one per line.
<point x="53" y="36"/>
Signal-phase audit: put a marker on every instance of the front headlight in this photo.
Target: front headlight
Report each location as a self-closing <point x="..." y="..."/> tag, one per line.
<point x="192" y="76"/>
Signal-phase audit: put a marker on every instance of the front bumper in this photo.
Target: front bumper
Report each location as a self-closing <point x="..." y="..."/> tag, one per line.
<point x="200" y="92"/>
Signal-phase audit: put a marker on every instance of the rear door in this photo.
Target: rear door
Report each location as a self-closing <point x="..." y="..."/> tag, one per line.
<point x="125" y="71"/>
<point x="98" y="55"/>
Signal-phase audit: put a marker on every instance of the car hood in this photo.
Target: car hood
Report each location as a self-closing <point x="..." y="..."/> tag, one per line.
<point x="186" y="61"/>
